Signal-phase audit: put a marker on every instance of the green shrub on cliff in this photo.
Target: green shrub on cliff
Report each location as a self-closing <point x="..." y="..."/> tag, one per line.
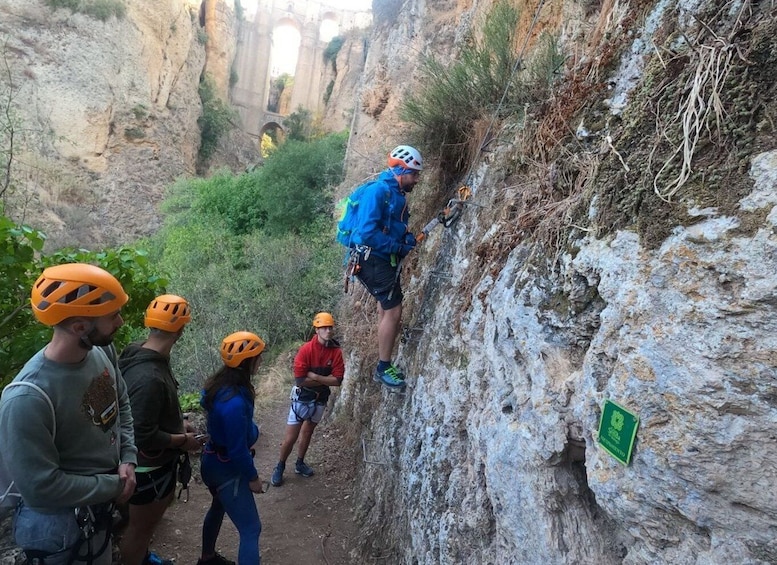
<point x="101" y="10"/>
<point x="216" y="119"/>
<point x="454" y="97"/>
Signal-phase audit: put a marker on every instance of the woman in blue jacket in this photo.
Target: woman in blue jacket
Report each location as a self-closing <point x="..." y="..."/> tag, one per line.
<point x="227" y="463"/>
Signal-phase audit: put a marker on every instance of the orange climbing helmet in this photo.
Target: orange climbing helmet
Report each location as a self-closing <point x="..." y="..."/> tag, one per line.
<point x="75" y="289"/>
<point x="323" y="319"/>
<point x="406" y="157"/>
<point x="168" y="312"/>
<point x="239" y="346"/>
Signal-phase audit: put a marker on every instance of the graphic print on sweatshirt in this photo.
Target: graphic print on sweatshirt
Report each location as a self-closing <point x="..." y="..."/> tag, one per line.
<point x="99" y="402"/>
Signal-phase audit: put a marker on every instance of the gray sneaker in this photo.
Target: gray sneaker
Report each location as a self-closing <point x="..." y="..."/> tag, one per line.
<point x="277" y="474"/>
<point x="302" y="469"/>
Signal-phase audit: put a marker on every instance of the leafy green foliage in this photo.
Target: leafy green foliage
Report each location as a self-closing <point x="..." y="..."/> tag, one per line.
<point x="277" y="87"/>
<point x="328" y="91"/>
<point x="216" y="119"/>
<point x="132" y="133"/>
<point x="131" y="267"/>
<point x="20" y="334"/>
<point x="140" y="111"/>
<point x="254" y="251"/>
<point x="20" y="265"/>
<point x="286" y="195"/>
<point x="299" y="125"/>
<point x="332" y="49"/>
<point x="71" y="4"/>
<point x="101" y="10"/>
<point x="190" y="402"/>
<point x="543" y="70"/>
<point x="296" y="180"/>
<point x="273" y="290"/>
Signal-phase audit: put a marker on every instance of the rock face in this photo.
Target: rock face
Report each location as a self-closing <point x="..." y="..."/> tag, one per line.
<point x="589" y="267"/>
<point x="108" y="114"/>
<point x="105" y="113"/>
<point x="220" y="25"/>
<point x="345" y="76"/>
<point x="513" y="344"/>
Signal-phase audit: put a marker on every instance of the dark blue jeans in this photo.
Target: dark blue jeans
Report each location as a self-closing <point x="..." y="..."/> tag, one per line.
<point x="56" y="535"/>
<point x="232" y="496"/>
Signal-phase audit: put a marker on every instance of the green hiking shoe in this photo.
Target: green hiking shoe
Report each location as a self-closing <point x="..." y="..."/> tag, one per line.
<point x="391" y="377"/>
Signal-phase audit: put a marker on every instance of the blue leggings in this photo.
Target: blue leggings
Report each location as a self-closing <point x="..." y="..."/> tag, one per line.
<point x="234" y="498"/>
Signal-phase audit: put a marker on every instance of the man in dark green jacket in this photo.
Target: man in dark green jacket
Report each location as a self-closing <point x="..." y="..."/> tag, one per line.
<point x="160" y="431"/>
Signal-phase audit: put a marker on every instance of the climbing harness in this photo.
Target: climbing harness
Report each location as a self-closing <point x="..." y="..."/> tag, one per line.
<point x="303" y="406"/>
<point x="352" y="264"/>
<point x="159" y="479"/>
<point x="447" y="217"/>
<point x="352" y="267"/>
<point x="450" y="214"/>
<point x="90" y="520"/>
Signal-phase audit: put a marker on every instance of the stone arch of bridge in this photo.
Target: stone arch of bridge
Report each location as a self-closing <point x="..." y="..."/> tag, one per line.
<point x="329" y="26"/>
<point x="316" y="22"/>
<point x="286" y="44"/>
<point x="273" y="128"/>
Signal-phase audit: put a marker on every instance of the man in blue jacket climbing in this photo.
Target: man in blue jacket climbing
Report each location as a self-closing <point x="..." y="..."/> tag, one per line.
<point x="382" y="240"/>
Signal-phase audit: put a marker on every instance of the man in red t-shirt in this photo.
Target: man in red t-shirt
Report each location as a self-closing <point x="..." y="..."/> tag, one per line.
<point x="317" y="366"/>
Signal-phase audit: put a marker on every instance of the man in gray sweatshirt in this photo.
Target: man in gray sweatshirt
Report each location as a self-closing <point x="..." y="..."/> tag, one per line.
<point x="71" y="467"/>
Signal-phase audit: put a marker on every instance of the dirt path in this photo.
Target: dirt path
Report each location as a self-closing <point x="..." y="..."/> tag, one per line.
<point x="307" y="520"/>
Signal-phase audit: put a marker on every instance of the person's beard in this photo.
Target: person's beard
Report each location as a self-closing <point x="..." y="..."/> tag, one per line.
<point x="96" y="338"/>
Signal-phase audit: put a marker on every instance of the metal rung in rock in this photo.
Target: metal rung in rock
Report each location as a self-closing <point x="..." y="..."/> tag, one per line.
<point x="441" y="274"/>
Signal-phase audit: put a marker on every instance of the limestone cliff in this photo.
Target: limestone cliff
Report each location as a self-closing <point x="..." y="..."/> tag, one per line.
<point x="576" y="276"/>
<point x="342" y="80"/>
<point x="105" y="112"/>
<point x="220" y="27"/>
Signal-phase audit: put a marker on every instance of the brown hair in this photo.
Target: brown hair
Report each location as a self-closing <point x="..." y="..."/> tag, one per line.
<point x="229" y="377"/>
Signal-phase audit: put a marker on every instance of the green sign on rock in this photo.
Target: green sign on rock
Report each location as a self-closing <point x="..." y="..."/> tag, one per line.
<point x="617" y="431"/>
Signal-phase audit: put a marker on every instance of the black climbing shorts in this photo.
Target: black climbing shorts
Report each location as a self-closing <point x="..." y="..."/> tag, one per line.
<point x="381" y="280"/>
<point x="154" y="485"/>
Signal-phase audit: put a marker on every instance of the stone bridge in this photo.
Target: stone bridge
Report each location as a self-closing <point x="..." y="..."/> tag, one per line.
<point x="258" y="48"/>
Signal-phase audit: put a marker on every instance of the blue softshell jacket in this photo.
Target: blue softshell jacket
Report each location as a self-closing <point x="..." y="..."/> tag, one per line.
<point x="232" y="429"/>
<point x="382" y="217"/>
